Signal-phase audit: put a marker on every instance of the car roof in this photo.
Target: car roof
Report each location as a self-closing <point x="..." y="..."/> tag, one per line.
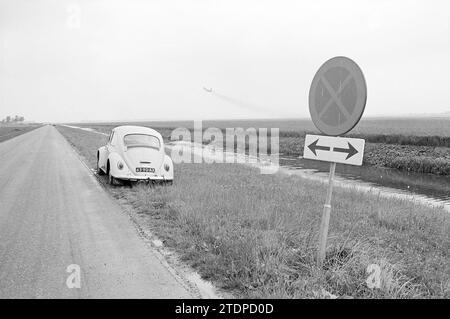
<point x="132" y="129"/>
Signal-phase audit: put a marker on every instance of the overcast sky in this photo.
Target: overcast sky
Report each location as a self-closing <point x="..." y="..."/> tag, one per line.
<point x="129" y="59"/>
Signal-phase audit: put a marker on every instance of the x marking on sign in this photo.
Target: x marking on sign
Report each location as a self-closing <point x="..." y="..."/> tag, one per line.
<point x="335" y="96"/>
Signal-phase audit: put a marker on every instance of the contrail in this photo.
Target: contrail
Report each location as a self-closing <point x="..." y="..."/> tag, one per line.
<point x="240" y="103"/>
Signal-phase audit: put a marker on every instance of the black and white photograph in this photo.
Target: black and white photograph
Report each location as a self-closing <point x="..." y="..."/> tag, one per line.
<point x="224" y="156"/>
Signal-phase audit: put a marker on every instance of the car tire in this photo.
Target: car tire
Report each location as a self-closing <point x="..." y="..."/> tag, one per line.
<point x="111" y="179"/>
<point x="99" y="170"/>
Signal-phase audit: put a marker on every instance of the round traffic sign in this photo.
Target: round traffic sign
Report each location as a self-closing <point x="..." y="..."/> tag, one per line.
<point x="337" y="96"/>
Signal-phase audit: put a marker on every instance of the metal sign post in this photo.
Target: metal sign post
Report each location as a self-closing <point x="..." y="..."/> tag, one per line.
<point x="337" y="99"/>
<point x="323" y="232"/>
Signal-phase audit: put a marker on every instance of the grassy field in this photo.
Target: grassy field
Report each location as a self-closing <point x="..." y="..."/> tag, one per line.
<point x="9" y="131"/>
<point x="255" y="235"/>
<point x="417" y="145"/>
<point x="371" y="126"/>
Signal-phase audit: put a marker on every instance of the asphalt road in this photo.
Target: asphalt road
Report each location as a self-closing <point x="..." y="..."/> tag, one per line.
<point x="54" y="214"/>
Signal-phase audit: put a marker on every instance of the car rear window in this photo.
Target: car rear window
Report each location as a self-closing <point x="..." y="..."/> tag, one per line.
<point x="141" y="140"/>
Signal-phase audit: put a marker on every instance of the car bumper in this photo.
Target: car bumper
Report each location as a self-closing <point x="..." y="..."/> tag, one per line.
<point x="154" y="178"/>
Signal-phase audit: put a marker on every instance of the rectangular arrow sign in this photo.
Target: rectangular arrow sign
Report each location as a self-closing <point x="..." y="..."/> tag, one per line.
<point x="334" y="149"/>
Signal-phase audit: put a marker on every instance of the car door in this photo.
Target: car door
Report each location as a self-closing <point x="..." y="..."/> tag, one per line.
<point x="103" y="154"/>
<point x="108" y="147"/>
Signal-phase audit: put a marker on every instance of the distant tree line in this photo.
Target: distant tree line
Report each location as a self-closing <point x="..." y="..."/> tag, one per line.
<point x="15" y="119"/>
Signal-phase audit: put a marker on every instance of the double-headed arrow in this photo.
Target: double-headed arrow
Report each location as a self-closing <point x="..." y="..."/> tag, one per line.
<point x="350" y="150"/>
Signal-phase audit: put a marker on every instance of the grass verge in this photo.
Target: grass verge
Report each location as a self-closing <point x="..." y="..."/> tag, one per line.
<point x="256" y="234"/>
<point x="9" y="131"/>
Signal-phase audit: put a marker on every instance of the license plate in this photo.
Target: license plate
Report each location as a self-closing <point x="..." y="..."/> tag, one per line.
<point x="145" y="170"/>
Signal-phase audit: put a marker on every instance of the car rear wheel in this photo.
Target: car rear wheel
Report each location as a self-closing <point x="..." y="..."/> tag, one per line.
<point x="112" y="180"/>
<point x="99" y="170"/>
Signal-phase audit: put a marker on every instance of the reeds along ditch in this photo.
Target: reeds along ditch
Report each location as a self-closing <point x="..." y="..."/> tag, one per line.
<point x="438" y="166"/>
<point x="436" y="141"/>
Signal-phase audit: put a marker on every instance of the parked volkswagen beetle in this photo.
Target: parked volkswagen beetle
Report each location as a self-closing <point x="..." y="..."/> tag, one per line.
<point x="134" y="153"/>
